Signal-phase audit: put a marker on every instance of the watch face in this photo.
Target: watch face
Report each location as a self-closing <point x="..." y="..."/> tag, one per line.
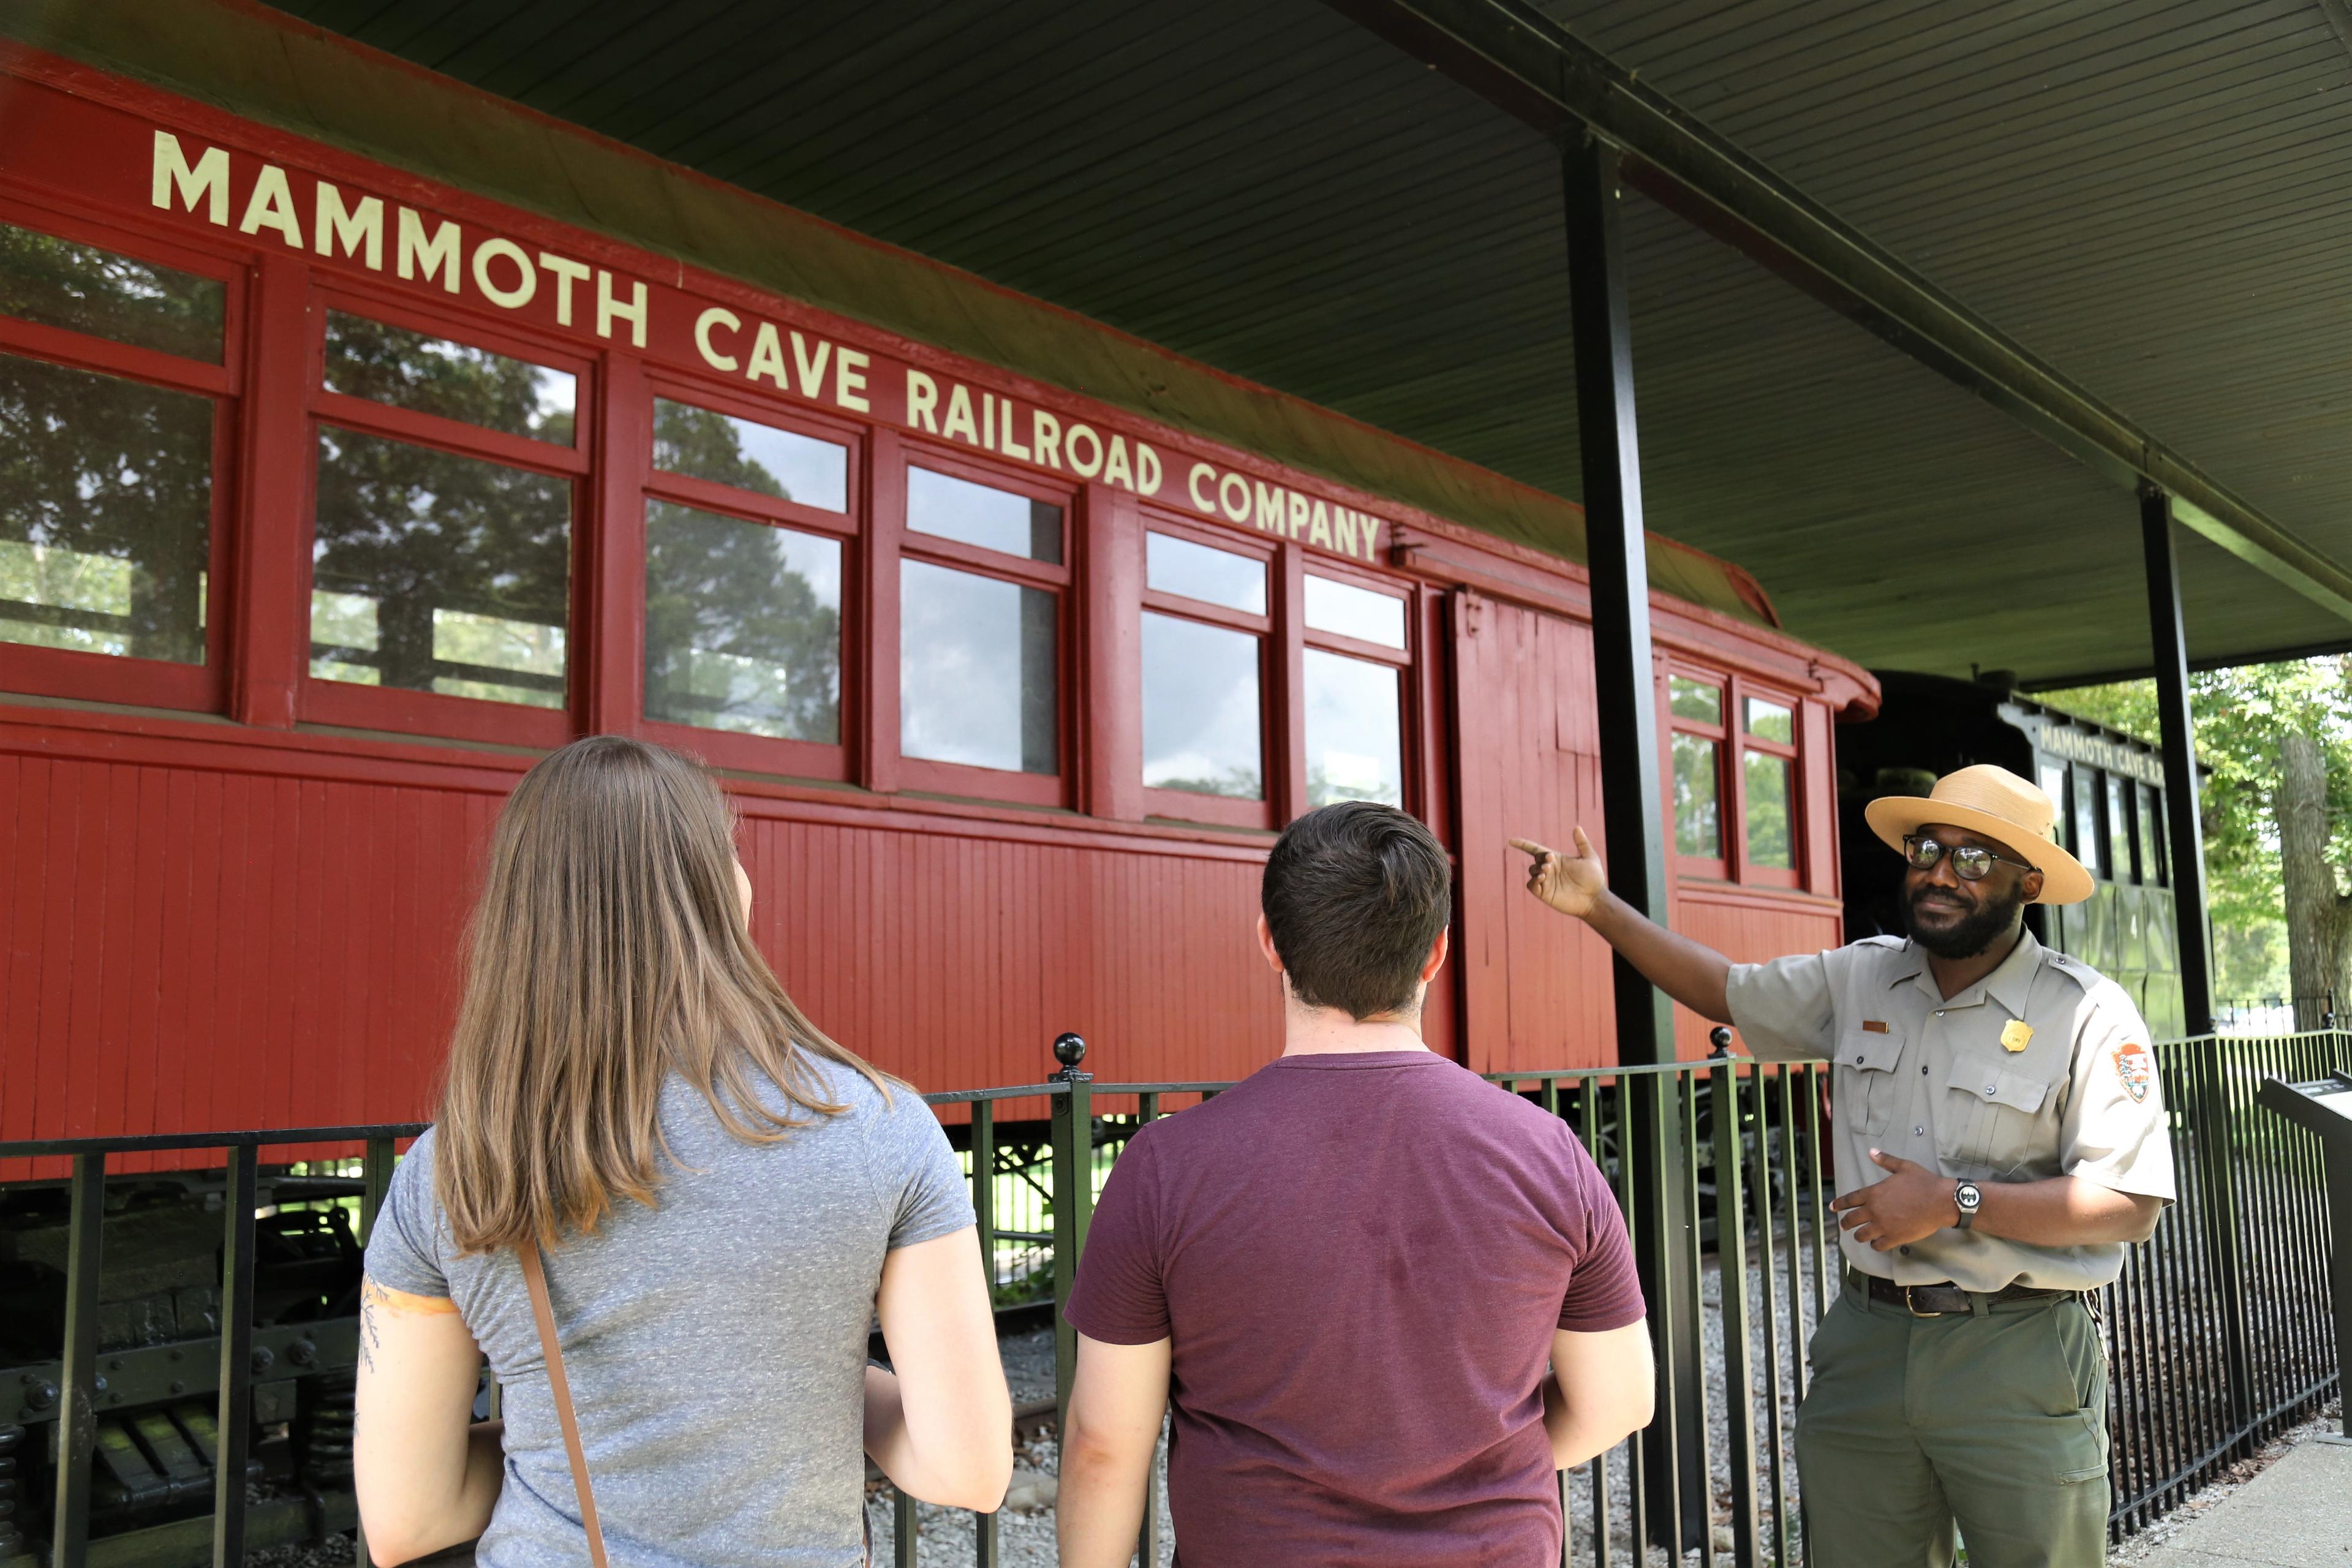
<point x="1966" y="1196"/>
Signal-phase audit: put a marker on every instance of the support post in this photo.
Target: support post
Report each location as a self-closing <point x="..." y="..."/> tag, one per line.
<point x="2183" y="822"/>
<point x="1073" y="1201"/>
<point x="2209" y="1118"/>
<point x="233" y="1445"/>
<point x="1633" y="802"/>
<point x="77" y="1391"/>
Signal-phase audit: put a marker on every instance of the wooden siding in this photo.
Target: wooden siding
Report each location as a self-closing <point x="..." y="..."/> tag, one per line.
<point x="1537" y="987"/>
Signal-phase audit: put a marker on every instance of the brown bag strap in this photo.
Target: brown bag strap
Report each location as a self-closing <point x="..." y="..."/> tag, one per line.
<point x="534" y="1275"/>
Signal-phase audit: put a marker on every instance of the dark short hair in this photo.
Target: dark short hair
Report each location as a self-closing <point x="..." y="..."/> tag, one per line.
<point x="1355" y="894"/>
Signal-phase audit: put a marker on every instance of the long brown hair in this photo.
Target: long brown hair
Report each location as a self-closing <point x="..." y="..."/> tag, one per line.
<point x="608" y="951"/>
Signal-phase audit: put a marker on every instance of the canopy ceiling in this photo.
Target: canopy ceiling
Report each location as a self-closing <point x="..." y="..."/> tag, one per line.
<point x="2153" y="196"/>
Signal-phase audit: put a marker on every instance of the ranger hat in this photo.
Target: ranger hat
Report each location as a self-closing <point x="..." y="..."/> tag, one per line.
<point x="1998" y="804"/>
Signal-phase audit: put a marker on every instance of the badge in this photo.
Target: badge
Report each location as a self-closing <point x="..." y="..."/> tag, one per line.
<point x="2015" y="1036"/>
<point x="2136" y="1065"/>
<point x="1874" y="1027"/>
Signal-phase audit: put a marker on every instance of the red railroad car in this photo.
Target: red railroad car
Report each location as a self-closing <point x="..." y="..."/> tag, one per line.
<point x="335" y="495"/>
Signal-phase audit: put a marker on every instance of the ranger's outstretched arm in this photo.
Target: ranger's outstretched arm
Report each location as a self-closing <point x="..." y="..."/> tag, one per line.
<point x="1692" y="973"/>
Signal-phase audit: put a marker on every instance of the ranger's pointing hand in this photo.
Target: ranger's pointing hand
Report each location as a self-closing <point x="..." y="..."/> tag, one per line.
<point x="1570" y="883"/>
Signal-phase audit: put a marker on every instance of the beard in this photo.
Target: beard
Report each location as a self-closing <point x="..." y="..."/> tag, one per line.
<point x="1977" y="931"/>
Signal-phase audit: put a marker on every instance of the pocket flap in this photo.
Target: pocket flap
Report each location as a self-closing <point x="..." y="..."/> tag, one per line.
<point x="1869" y="1050"/>
<point x="2019" y="1091"/>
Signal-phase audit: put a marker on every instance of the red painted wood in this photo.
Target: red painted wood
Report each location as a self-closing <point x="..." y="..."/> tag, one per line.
<point x="609" y="574"/>
<point x="1112" y="672"/>
<point x="876" y="730"/>
<point x="1287" y="782"/>
<point x="269" y="605"/>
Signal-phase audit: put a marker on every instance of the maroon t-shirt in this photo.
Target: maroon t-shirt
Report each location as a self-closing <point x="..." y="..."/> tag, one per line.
<point x="1361" y="1259"/>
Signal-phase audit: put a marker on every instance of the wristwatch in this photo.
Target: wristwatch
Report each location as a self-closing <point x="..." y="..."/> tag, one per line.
<point x="1966" y="1197"/>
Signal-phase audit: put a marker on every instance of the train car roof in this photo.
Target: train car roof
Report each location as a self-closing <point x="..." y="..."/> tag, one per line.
<point x="1308" y="243"/>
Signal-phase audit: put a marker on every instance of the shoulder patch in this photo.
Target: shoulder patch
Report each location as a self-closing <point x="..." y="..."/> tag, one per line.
<point x="2136" y="1065"/>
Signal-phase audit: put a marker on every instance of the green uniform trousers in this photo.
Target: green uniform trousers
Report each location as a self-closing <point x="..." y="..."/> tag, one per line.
<point x="1994" y="1420"/>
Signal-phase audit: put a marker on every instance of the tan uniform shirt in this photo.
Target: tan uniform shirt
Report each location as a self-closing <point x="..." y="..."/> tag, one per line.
<point x="2043" y="1068"/>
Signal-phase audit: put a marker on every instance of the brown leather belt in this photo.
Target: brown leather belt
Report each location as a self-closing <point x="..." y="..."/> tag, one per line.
<point x="1934" y="1300"/>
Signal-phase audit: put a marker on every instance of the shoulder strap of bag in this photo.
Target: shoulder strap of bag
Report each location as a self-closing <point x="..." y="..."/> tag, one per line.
<point x="534" y="1275"/>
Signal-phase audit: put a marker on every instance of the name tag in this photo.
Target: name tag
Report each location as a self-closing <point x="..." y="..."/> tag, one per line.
<point x="1874" y="1027"/>
<point x="2015" y="1036"/>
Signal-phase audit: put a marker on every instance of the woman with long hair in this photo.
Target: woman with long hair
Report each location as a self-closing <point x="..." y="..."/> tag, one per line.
<point x="721" y="1198"/>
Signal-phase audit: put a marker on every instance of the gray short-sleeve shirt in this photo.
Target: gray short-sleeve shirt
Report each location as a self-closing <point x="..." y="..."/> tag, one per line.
<point x="716" y="1345"/>
<point x="2041" y="1069"/>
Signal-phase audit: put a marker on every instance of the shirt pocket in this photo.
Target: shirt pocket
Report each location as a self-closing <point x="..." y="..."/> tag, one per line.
<point x="1994" y="1117"/>
<point x="1867" y="1060"/>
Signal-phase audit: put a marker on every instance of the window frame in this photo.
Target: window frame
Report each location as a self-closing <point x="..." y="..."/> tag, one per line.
<point x="432" y="713"/>
<point x="1750" y="874"/>
<point x="1302" y="564"/>
<point x="1719" y="867"/>
<point x="966" y="780"/>
<point x="1185" y="806"/>
<point x="73" y="673"/>
<point x="815" y="759"/>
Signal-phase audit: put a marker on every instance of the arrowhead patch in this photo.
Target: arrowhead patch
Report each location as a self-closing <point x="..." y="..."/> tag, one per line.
<point x="2136" y="1065"/>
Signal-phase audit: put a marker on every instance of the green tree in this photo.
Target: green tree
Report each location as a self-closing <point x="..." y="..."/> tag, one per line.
<point x="2277" y="815"/>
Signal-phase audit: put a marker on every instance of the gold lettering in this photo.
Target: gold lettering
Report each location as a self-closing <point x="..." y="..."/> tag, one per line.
<point x="1046" y="433"/>
<point x="1146" y="469"/>
<point x="207" y="180"/>
<point x="1086" y="468"/>
<point x="849" y="379"/>
<point x="768" y="357"/>
<point x="717" y="316"/>
<point x="608" y="309"/>
<point x="1202" y="500"/>
<point x="1116" y="469"/>
<point x="567" y="272"/>
<point x="958" y="414"/>
<point x="526" y="275"/>
<point x="354" y="228"/>
<point x="271" y="206"/>
<point x="1269" y="508"/>
<point x="922" y="402"/>
<point x="421" y="257"/>
<point x="810" y="366"/>
<point x="1012" y="448"/>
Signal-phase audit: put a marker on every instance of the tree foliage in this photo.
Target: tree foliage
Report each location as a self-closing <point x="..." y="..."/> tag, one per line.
<point x="2242" y="716"/>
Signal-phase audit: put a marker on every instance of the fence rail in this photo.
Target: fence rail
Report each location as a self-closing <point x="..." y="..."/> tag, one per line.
<point x="2218" y="1330"/>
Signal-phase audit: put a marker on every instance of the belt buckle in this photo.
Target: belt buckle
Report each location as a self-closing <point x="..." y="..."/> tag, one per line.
<point x="1912" y="1306"/>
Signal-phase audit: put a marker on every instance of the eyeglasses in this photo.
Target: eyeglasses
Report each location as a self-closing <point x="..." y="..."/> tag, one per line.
<point x="1969" y="862"/>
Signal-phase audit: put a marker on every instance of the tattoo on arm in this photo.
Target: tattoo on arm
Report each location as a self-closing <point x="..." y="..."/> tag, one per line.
<point x="368" y="1334"/>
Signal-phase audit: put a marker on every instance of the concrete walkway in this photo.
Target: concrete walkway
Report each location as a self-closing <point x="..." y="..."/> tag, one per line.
<point x="2296" y="1514"/>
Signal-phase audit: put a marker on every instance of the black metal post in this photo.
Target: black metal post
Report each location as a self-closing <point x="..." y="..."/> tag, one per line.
<point x="1731" y="1254"/>
<point x="1633" y="798"/>
<point x="1074" y="1199"/>
<point x="2169" y="643"/>
<point x="235" y="1439"/>
<point x="77" y="1413"/>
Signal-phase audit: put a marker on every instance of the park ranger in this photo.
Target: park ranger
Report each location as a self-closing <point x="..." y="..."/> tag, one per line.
<point x="1999" y="1132"/>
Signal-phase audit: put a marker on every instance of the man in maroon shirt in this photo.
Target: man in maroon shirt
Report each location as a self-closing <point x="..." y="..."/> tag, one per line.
<point x="1388" y="1301"/>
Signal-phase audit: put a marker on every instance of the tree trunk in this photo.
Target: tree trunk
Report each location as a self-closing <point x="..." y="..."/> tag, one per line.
<point x="2316" y="929"/>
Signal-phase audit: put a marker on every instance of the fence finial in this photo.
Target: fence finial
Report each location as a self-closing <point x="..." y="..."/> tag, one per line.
<point x="1070" y="1049"/>
<point x="1720" y="1038"/>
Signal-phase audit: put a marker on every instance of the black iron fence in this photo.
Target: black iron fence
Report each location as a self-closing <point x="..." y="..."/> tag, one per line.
<point x="2218" y="1329"/>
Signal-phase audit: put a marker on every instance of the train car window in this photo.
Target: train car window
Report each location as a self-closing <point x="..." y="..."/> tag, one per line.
<point x="1695" y="700"/>
<point x="416" y="371"/>
<point x="2054" y="784"/>
<point x="978" y="682"/>
<point x="1698" y="826"/>
<point x="56" y="282"/>
<point x="1771" y="721"/>
<point x="105" y="513"/>
<point x="1190" y="571"/>
<point x="1355" y="736"/>
<point x="1697" y="755"/>
<point x="983" y="515"/>
<point x="2120" y="826"/>
<point x="1346" y="610"/>
<point x="1206" y="632"/>
<point x="1768" y="785"/>
<point x="2090" y="841"/>
<point x="747" y="455"/>
<point x="743" y="626"/>
<point x="1203" y="731"/>
<point x="2151" y="839"/>
<point x="437" y="572"/>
